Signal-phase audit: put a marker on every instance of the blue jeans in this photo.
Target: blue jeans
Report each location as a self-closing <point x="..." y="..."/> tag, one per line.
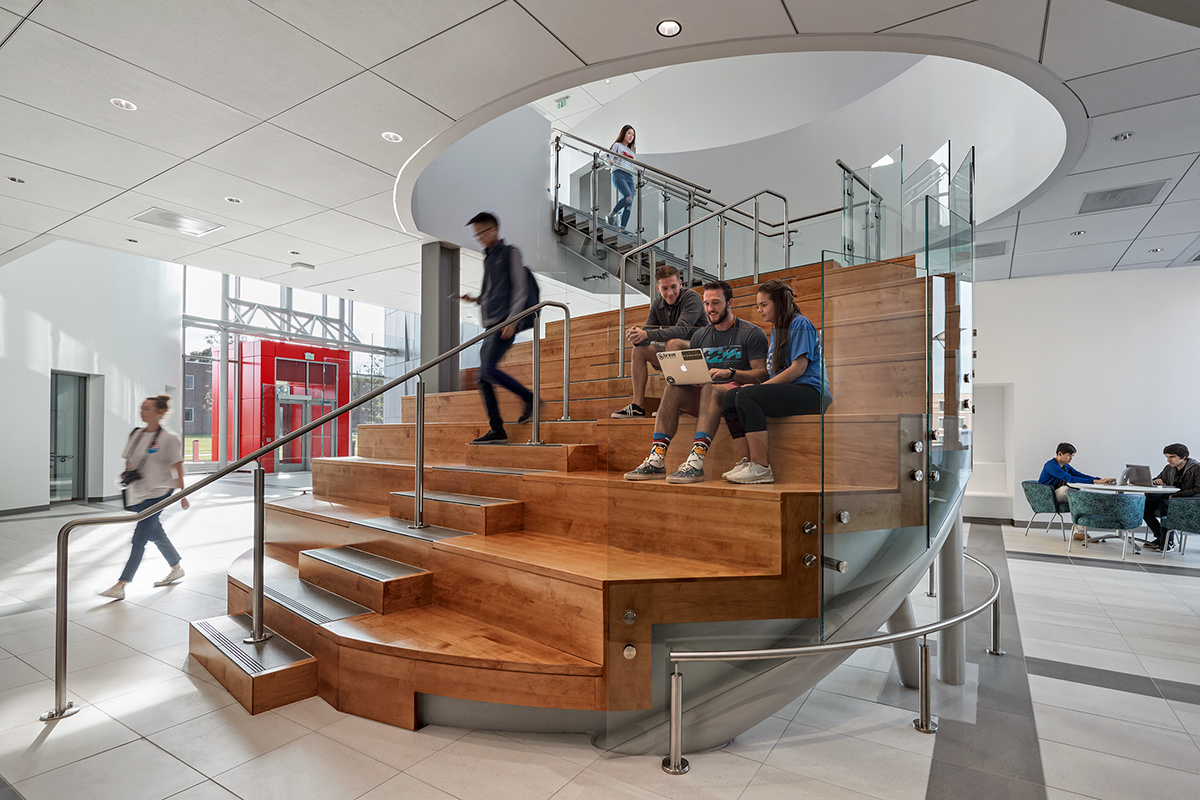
<point x="490" y="375"/>
<point x="149" y="530"/>
<point x="624" y="183"/>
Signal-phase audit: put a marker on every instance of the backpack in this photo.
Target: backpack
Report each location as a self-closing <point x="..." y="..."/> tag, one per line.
<point x="533" y="296"/>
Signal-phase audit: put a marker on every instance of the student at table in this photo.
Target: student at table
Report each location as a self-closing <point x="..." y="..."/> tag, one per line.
<point x="1181" y="472"/>
<point x="1058" y="472"/>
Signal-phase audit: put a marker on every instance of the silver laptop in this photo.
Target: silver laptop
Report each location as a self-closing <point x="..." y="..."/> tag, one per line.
<point x="690" y="367"/>
<point x="1135" y="475"/>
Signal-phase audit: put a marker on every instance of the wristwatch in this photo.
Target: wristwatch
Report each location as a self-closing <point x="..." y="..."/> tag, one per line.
<point x="732" y="372"/>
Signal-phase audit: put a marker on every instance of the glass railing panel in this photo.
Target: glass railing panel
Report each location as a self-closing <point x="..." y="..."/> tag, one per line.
<point x="886" y="177"/>
<point x="812" y="238"/>
<point x="930" y="178"/>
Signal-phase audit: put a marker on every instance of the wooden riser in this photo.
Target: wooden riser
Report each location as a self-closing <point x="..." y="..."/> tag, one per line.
<point x="481" y="520"/>
<point x="566" y="458"/>
<point x="368" y="481"/>
<point x="381" y="596"/>
<point x="259" y="691"/>
<point x="468" y="407"/>
<point x="450" y="444"/>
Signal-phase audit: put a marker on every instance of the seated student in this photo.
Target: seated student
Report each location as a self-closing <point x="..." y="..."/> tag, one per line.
<point x="675" y="313"/>
<point x="704" y="401"/>
<point x="1181" y="472"/>
<point x="796" y="384"/>
<point x="1058" y="472"/>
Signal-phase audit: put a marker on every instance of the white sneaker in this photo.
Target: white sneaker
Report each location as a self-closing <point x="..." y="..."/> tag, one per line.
<point x="116" y="591"/>
<point x="172" y="576"/>
<point x="754" y="472"/>
<point x="738" y="467"/>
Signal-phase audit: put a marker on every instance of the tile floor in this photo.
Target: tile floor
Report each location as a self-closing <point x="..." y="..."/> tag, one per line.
<point x="1099" y="695"/>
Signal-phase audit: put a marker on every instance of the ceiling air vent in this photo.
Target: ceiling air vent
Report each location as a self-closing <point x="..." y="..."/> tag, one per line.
<point x="991" y="249"/>
<point x="176" y="222"/>
<point x="1125" y="197"/>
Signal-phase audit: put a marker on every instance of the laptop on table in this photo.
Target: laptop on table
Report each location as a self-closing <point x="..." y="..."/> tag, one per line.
<point x="1135" y="475"/>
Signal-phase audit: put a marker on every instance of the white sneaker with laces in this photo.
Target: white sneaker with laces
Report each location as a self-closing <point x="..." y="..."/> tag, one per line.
<point x="754" y="472"/>
<point x="172" y="576"/>
<point x="738" y="467"/>
<point x="116" y="591"/>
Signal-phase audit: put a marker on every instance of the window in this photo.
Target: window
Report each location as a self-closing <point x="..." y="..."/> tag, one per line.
<point x="189" y="381"/>
<point x="189" y="413"/>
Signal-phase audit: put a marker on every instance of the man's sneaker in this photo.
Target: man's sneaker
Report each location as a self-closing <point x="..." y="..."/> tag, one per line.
<point x="172" y="576"/>
<point x="754" y="472"/>
<point x="738" y="467"/>
<point x="688" y="472"/>
<point x="629" y="412"/>
<point x="527" y="414"/>
<point x="492" y="437"/>
<point x="646" y="472"/>
<point x="116" y="591"/>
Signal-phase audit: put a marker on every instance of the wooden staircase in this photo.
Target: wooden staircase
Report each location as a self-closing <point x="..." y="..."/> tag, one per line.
<point x="542" y="572"/>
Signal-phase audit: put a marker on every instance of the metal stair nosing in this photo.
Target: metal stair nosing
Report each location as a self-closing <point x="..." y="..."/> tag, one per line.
<point x="227" y="634"/>
<point x="351" y="560"/>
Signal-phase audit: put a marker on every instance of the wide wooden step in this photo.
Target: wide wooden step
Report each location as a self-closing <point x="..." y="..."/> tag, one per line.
<point x="381" y="584"/>
<point x="260" y="676"/>
<point x="374" y="479"/>
<point x="449" y="444"/>
<point x="464" y="512"/>
<point x="549" y="457"/>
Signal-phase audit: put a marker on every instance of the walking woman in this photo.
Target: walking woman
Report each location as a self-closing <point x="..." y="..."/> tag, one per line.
<point x="795" y="385"/>
<point x="622" y="174"/>
<point x="155" y="457"/>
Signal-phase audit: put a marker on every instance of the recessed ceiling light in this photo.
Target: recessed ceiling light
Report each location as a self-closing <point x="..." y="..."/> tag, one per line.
<point x="1078" y="233"/>
<point x="124" y="105"/>
<point x="16" y="180"/>
<point x="132" y="241"/>
<point x="1156" y="250"/>
<point x="393" y="137"/>
<point x="1123" y="136"/>
<point x="669" y="28"/>
<point x="352" y="290"/>
<point x="608" y="80"/>
<point x="234" y="200"/>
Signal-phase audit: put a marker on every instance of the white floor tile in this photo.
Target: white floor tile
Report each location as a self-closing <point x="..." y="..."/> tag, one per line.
<point x="1028" y="614"/>
<point x="15" y="672"/>
<point x="405" y="787"/>
<point x="487" y="766"/>
<point x="24" y="704"/>
<point x="873" y="722"/>
<point x="574" y="747"/>
<point x="854" y="682"/>
<point x="206" y="791"/>
<point x="163" y="705"/>
<point x="220" y="741"/>
<point x="1107" y="735"/>
<point x="715" y="775"/>
<point x="1188" y="715"/>
<point x="1160" y="648"/>
<point x="312" y="712"/>
<point x="116" y="678"/>
<point x="1137" y="708"/>
<point x="394" y="746"/>
<point x="38" y="747"/>
<point x="779" y="784"/>
<point x="311" y="766"/>
<point x="1085" y="656"/>
<point x="80" y="655"/>
<point x="756" y="744"/>
<point x="1067" y="634"/>
<point x="40" y="638"/>
<point x="852" y="763"/>
<point x="134" y="771"/>
<point x="789" y="711"/>
<point x="1108" y="776"/>
<point x="158" y="635"/>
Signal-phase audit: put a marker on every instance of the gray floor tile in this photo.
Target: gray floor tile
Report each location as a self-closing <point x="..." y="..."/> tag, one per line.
<point x="1004" y="689"/>
<point x="1092" y="676"/>
<point x="949" y="781"/>
<point x="999" y="743"/>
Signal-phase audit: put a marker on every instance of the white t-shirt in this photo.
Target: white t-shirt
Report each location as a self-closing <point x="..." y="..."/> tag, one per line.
<point x="620" y="149"/>
<point x="159" y="451"/>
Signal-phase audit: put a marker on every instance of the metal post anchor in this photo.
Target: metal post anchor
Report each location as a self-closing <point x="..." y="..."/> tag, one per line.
<point x="675" y="763"/>
<point x="924" y="723"/>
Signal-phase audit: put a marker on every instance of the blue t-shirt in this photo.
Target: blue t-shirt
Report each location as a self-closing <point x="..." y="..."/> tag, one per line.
<point x="1056" y="475"/>
<point x="803" y="341"/>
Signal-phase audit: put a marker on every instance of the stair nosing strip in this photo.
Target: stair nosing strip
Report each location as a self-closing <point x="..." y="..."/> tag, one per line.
<point x="350" y="566"/>
<point x="230" y="648"/>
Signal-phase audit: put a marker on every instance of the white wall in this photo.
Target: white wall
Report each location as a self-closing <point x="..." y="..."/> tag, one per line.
<point x="1103" y="360"/>
<point x="75" y="308"/>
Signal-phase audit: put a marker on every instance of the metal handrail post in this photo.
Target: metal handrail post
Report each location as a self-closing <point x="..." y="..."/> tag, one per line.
<point x="787" y="236"/>
<point x="721" y="248"/>
<point x="924" y="723"/>
<point x="641" y="179"/>
<point x="535" y="437"/>
<point x="690" y="206"/>
<point x="932" y="579"/>
<point x="620" y="319"/>
<point x="419" y="473"/>
<point x="257" y="634"/>
<point x="566" y="369"/>
<point x="595" y="204"/>
<point x="675" y="763"/>
<point x="756" y="238"/>
<point x="557" y="183"/>
<point x="996" y="649"/>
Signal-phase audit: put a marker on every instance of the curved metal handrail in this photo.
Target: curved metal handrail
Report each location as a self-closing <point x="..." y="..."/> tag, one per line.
<point x="642" y="164"/>
<point x="675" y="764"/>
<point x="61" y="706"/>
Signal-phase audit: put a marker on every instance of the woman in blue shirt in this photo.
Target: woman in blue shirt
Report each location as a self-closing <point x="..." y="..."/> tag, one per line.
<point x="795" y="384"/>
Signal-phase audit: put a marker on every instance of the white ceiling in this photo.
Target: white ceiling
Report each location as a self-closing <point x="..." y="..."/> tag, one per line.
<point x="281" y="103"/>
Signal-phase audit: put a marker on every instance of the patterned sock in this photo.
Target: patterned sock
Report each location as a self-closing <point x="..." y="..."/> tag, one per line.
<point x="699" y="449"/>
<point x="658" y="449"/>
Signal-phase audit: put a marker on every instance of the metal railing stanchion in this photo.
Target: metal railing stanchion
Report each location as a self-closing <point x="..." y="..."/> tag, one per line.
<point x="595" y="204"/>
<point x="691" y="204"/>
<point x="557" y="184"/>
<point x="924" y="723"/>
<point x="257" y="634"/>
<point x="566" y="368"/>
<point x="620" y="319"/>
<point x="535" y="435"/>
<point x="756" y="238"/>
<point x="932" y="579"/>
<point x="996" y="649"/>
<point x="419" y="466"/>
<point x="675" y="763"/>
<point x="721" y="248"/>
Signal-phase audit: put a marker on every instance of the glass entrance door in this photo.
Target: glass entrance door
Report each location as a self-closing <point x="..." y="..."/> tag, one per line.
<point x="292" y="412"/>
<point x="68" y="432"/>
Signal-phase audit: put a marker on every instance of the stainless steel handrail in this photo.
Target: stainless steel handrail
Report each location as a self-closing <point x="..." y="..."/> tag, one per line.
<point x="63" y="708"/>
<point x="676" y="764"/>
<point x="858" y="178"/>
<point x="691" y="224"/>
<point x="643" y="164"/>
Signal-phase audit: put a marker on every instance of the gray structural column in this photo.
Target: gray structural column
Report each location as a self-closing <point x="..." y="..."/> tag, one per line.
<point x="439" y="313"/>
<point x="907" y="653"/>
<point x="952" y="642"/>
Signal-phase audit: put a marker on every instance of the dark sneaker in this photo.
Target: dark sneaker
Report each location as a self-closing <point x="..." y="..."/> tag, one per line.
<point x="492" y="437"/>
<point x="527" y="414"/>
<point x="630" y="411"/>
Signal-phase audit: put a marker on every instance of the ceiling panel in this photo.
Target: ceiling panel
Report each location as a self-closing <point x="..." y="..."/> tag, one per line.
<point x="1088" y="36"/>
<point x="31" y="134"/>
<point x="1014" y="25"/>
<point x="1160" y="131"/>
<point x="355" y="289"/>
<point x="1092" y="258"/>
<point x="816" y="16"/>
<point x="14" y="237"/>
<point x="19" y="7"/>
<point x="1065" y="198"/>
<point x="370" y="31"/>
<point x="222" y="260"/>
<point x="8" y="21"/>
<point x="575" y="101"/>
<point x="488" y="56"/>
<point x="31" y="216"/>
<point x="1168" y="247"/>
<point x="1175" y="218"/>
<point x="352" y="116"/>
<point x="114" y="235"/>
<point x="274" y="157"/>
<point x="346" y="233"/>
<point x="993" y="269"/>
<point x="277" y="246"/>
<point x="1139" y="85"/>
<point x="1110" y="226"/>
<point x="379" y="208"/>
<point x="216" y="48"/>
<point x="204" y="188"/>
<point x="44" y="69"/>
<point x="610" y="89"/>
<point x="1123" y="267"/>
<point x="1189" y="187"/>
<point x="121" y="208"/>
<point x="1189" y="256"/>
<point x="407" y="256"/>
<point x="52" y="187"/>
<point x="1007" y="221"/>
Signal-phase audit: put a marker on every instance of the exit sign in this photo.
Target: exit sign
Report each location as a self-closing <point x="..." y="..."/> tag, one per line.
<point x="562" y="101"/>
<point x="309" y="356"/>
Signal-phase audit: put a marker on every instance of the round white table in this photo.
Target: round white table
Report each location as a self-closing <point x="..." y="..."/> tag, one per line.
<point x="1116" y="488"/>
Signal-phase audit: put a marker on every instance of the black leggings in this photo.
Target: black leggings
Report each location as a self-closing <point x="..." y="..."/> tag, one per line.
<point x="747" y="407"/>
